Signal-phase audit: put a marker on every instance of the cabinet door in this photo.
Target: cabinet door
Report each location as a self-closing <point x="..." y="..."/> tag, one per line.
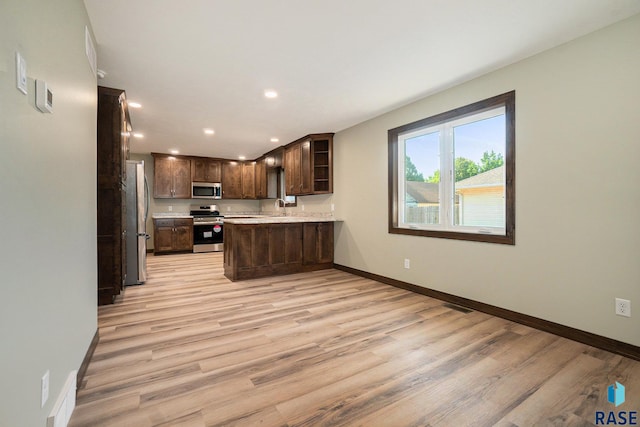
<point x="288" y="172"/>
<point x="293" y="243"/>
<point x="181" y="170"/>
<point x="293" y="179"/>
<point x="163" y="235"/>
<point x="205" y="170"/>
<point x="231" y="180"/>
<point x="261" y="179"/>
<point x="325" y="242"/>
<point x="183" y="238"/>
<point x="162" y="178"/>
<point x="248" y="180"/>
<point x="199" y="170"/>
<point x="317" y="242"/>
<point x="305" y="167"/>
<point x="260" y="246"/>
<point x="213" y="172"/>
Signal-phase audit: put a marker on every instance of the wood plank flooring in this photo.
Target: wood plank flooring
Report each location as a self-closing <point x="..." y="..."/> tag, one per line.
<point x="191" y="348"/>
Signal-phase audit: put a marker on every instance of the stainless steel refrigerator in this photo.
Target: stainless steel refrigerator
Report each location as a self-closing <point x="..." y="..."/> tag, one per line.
<point x="136" y="236"/>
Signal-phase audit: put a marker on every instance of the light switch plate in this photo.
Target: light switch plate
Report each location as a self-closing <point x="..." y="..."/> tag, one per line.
<point x="21" y="73"/>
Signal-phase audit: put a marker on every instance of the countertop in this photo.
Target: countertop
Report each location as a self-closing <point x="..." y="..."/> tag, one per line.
<point x="254" y="218"/>
<point x="266" y="219"/>
<point x="170" y="216"/>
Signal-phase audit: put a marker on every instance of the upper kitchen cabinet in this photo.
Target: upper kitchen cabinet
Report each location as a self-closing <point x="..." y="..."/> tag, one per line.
<point x="322" y="163"/>
<point x="249" y="180"/>
<point x="308" y="165"/>
<point x="113" y="126"/>
<point x="261" y="178"/>
<point x="171" y="177"/>
<point x="238" y="180"/>
<point x="204" y="169"/>
<point x="231" y="180"/>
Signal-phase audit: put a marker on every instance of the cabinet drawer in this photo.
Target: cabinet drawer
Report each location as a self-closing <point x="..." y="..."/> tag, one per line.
<point x="163" y="222"/>
<point x="183" y="221"/>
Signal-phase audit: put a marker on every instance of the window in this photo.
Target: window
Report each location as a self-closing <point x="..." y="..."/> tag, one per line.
<point x="453" y="175"/>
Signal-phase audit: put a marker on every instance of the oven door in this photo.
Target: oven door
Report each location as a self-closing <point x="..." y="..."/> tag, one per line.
<point x="208" y="237"/>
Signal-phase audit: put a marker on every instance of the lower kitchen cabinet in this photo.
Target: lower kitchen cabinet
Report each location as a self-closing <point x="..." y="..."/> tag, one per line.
<point x="172" y="235"/>
<point x="259" y="250"/>
<point x="318" y="242"/>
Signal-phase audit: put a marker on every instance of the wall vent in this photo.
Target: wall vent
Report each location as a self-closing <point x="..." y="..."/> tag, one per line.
<point x="66" y="403"/>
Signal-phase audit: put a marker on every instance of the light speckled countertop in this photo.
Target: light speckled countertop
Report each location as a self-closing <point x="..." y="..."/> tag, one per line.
<point x="170" y="215"/>
<point x="266" y="219"/>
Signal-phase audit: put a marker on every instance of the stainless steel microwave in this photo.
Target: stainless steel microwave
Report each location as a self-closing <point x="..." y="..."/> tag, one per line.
<point x="206" y="190"/>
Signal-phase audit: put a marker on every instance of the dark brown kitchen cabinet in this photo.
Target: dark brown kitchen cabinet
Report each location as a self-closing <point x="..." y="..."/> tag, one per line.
<point x="113" y="128"/>
<point x="309" y="165"/>
<point x="171" y="177"/>
<point x="204" y="169"/>
<point x="322" y="164"/>
<point x="249" y="180"/>
<point x="318" y="242"/>
<point x="172" y="235"/>
<point x="259" y="250"/>
<point x="261" y="178"/>
<point x="238" y="180"/>
<point x="231" y="180"/>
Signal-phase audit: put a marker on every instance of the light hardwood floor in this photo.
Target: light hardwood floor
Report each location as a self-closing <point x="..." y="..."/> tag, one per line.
<point x="191" y="348"/>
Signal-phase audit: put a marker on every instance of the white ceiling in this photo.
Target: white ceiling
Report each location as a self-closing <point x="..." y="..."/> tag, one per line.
<point x="196" y="64"/>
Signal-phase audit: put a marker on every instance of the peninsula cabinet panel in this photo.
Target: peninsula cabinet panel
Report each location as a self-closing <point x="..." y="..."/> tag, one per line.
<point x="285" y="244"/>
<point x="204" y="169"/>
<point x="171" y="177"/>
<point x="259" y="250"/>
<point x="318" y="242"/>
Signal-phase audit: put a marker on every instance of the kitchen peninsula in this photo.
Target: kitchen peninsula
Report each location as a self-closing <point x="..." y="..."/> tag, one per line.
<point x="273" y="245"/>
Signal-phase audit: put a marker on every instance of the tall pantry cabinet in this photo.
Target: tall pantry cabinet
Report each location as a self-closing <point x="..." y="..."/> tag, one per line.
<point x="114" y="127"/>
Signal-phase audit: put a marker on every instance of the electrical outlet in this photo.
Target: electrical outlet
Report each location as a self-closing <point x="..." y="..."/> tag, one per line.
<point x="407" y="263"/>
<point x="302" y="206"/>
<point x="333" y="207"/>
<point x="623" y="307"/>
<point x="170" y="208"/>
<point x="44" y="389"/>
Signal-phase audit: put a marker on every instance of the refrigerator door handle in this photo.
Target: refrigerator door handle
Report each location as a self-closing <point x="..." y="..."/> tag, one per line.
<point x="146" y="201"/>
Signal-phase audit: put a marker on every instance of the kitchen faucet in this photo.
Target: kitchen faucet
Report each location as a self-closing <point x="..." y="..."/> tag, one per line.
<point x="284" y="205"/>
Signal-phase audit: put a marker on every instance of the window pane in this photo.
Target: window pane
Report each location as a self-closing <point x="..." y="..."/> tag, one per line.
<point x="479" y="188"/>
<point x="422" y="179"/>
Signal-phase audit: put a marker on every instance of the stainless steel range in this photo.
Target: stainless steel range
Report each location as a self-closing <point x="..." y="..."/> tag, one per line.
<point x="208" y="228"/>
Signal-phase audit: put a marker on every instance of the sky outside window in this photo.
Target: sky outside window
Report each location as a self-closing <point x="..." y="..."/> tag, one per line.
<point x="472" y="141"/>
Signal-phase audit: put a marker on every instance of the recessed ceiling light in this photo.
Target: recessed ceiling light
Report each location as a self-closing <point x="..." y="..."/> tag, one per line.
<point x="270" y="93"/>
<point x="275" y="140"/>
<point x="174" y="151"/>
<point x="138" y="135"/>
<point x="241" y="157"/>
<point x="209" y="131"/>
<point x="134" y="104"/>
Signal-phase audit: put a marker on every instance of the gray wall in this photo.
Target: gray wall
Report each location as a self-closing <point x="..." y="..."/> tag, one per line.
<point x="48" y="215"/>
<point x="577" y="198"/>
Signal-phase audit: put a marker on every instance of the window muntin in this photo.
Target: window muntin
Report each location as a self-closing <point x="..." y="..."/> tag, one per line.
<point x="452" y="175"/>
